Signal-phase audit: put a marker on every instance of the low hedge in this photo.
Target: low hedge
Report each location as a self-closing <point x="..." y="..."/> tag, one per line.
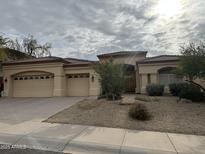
<point x="187" y="91"/>
<point x="193" y="93"/>
<point x="155" y="90"/>
<point x="175" y="88"/>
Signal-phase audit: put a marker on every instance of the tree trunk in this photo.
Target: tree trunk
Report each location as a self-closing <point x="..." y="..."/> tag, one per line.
<point x="192" y="82"/>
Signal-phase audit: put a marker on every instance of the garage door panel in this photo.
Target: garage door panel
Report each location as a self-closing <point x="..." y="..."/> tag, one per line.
<point x="78" y="86"/>
<point x="33" y="88"/>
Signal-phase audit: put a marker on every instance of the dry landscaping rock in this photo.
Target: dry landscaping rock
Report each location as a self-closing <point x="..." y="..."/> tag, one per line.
<point x="183" y="100"/>
<point x="167" y="116"/>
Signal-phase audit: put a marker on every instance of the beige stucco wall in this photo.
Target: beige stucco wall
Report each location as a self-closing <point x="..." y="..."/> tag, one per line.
<point x="152" y="69"/>
<point x="201" y="82"/>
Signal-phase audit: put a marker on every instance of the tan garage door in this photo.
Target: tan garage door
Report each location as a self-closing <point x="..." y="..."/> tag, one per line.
<point x="78" y="85"/>
<point x="33" y="86"/>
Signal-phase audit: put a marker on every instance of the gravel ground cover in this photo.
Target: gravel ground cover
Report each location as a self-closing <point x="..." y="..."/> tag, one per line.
<point x="167" y="115"/>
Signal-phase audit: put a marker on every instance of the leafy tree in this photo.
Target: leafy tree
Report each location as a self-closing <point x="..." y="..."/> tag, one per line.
<point x="17" y="45"/>
<point x="192" y="62"/>
<point x="111" y="78"/>
<point x="33" y="48"/>
<point x="29" y="46"/>
<point x="5" y="42"/>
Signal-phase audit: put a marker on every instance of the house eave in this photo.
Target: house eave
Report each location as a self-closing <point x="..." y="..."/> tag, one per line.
<point x="160" y="61"/>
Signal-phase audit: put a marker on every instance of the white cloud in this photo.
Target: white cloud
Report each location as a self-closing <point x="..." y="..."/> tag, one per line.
<point x="84" y="28"/>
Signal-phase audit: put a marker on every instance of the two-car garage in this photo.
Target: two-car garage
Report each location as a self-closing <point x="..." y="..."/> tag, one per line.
<point x="49" y="77"/>
<point x="40" y="84"/>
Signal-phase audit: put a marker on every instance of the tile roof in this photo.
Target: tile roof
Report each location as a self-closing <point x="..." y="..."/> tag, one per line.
<point x="65" y="61"/>
<point x="122" y="53"/>
<point x="75" y="60"/>
<point x="34" y="60"/>
<point x="161" y="58"/>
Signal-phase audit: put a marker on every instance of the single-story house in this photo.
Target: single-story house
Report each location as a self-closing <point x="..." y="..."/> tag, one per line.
<point x="55" y="76"/>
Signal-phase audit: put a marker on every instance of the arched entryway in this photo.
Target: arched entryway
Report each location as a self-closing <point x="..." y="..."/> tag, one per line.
<point x="33" y="84"/>
<point x="167" y="76"/>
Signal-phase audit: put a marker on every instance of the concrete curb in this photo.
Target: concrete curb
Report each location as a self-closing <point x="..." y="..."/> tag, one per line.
<point x="131" y="150"/>
<point x="135" y="142"/>
<point x="91" y="148"/>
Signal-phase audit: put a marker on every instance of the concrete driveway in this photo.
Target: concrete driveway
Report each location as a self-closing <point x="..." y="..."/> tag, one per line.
<point x="18" y="110"/>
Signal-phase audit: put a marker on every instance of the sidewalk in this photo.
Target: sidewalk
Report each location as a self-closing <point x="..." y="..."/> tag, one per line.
<point x="79" y="139"/>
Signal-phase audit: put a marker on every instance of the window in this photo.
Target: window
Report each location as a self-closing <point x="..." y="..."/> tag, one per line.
<point x="166" y="77"/>
<point x="83" y="75"/>
<point x="33" y="77"/>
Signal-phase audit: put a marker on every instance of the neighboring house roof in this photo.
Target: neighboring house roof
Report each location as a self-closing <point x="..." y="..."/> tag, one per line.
<point x="161" y="58"/>
<point x="122" y="53"/>
<point x="11" y="54"/>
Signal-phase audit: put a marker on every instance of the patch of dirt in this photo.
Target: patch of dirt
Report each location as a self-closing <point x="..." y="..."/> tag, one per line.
<point x="88" y="104"/>
<point x="167" y="116"/>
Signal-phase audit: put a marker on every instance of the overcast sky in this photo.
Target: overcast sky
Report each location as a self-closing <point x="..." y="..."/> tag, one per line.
<point x="84" y="28"/>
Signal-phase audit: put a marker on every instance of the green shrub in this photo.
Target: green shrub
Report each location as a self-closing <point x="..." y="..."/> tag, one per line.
<point x="111" y="79"/>
<point x="175" y="88"/>
<point x="155" y="90"/>
<point x="139" y="112"/>
<point x="193" y="93"/>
